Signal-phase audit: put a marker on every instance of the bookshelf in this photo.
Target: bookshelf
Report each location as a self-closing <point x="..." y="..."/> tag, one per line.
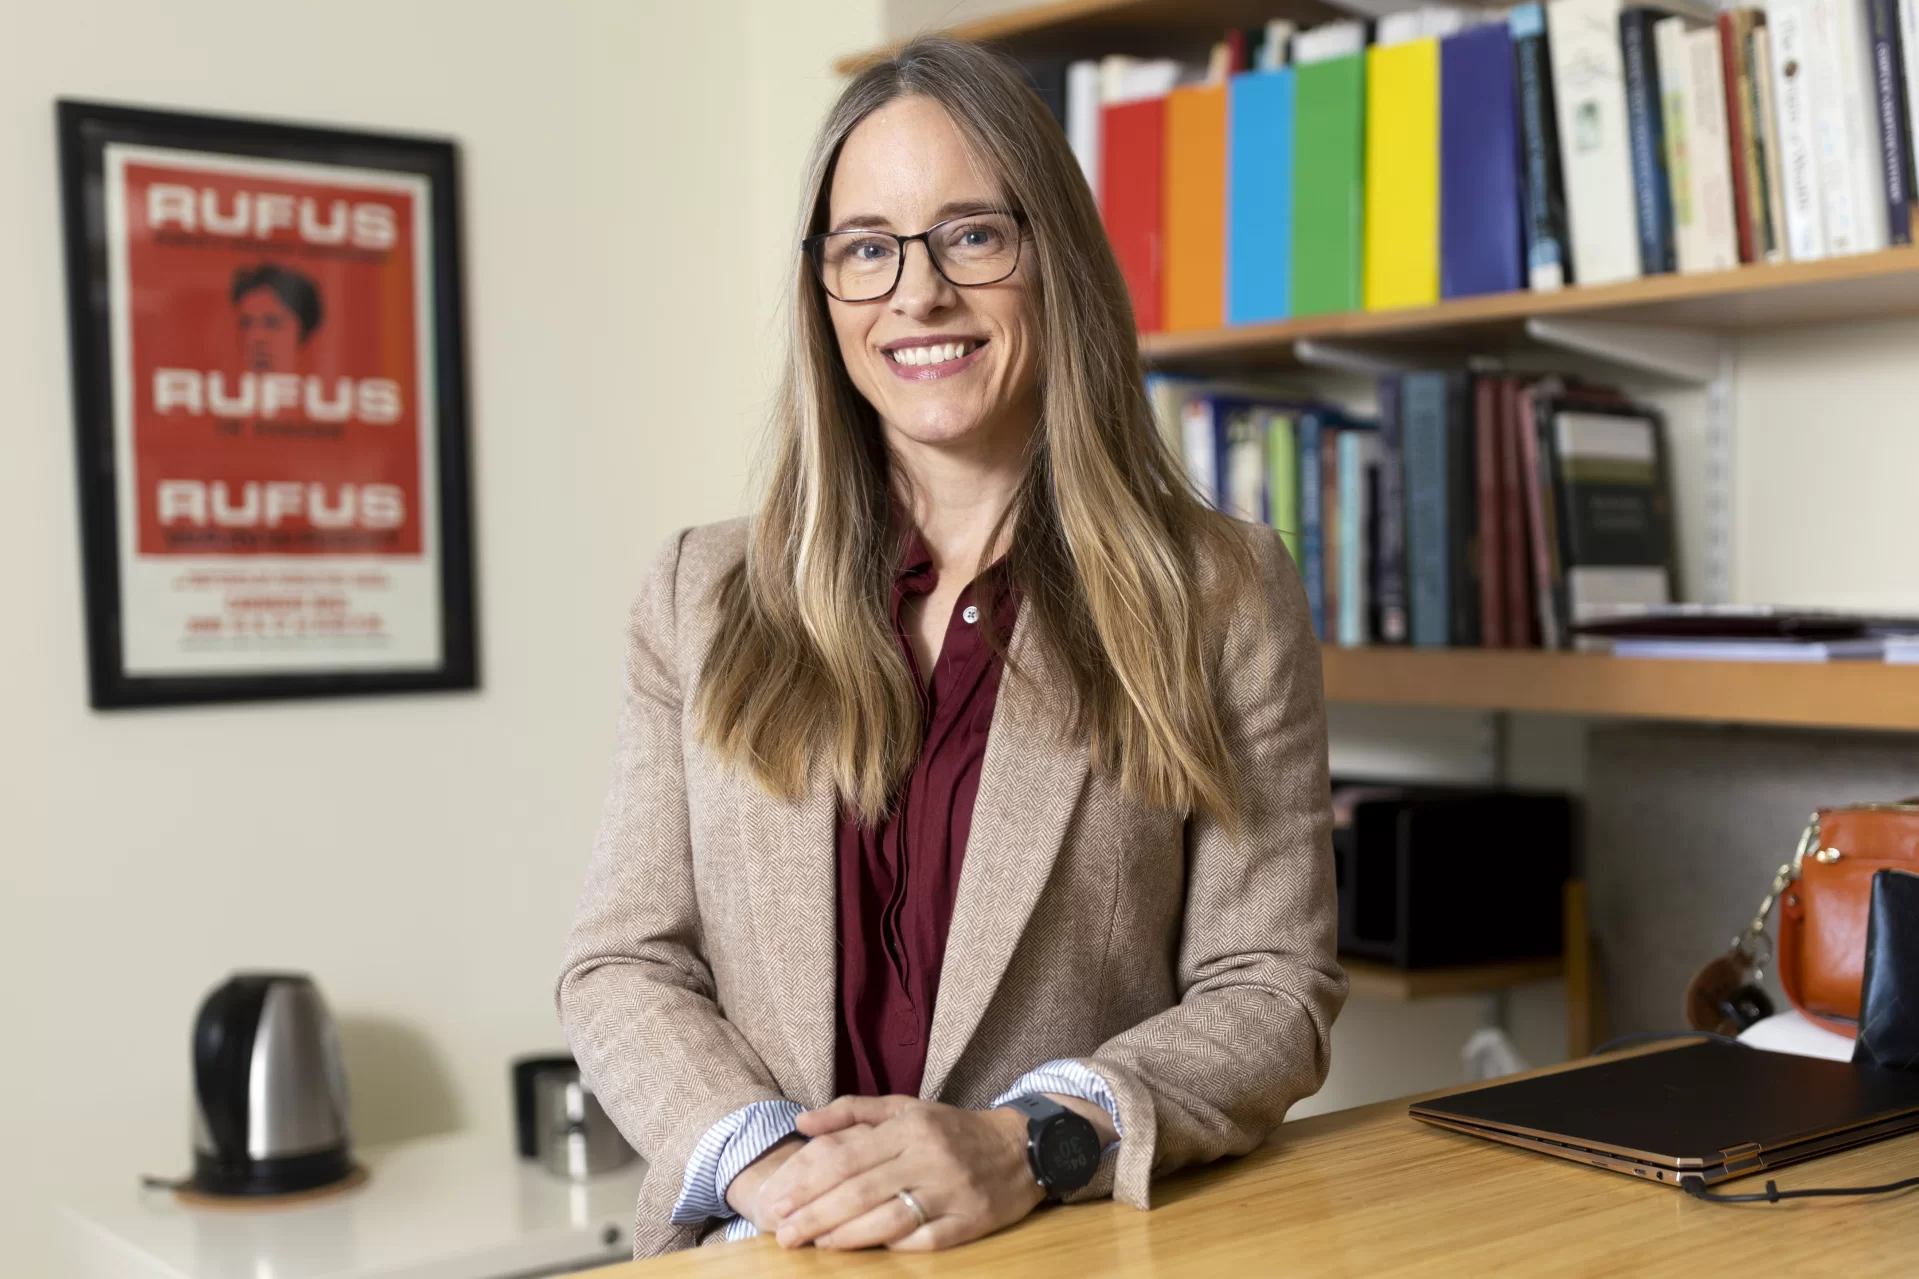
<point x="1382" y="981"/>
<point x="1759" y="296"/>
<point x="1870" y="695"/>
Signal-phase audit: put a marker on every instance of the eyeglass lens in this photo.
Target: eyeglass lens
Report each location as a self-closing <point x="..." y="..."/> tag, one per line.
<point x="858" y="266"/>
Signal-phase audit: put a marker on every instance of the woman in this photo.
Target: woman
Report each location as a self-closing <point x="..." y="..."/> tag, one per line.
<point x="968" y="835"/>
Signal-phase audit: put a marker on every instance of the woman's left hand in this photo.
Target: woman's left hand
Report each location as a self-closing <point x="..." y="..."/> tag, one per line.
<point x="966" y="1168"/>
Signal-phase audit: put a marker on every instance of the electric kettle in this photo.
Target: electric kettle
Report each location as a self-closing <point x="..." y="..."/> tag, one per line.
<point x="269" y="1089"/>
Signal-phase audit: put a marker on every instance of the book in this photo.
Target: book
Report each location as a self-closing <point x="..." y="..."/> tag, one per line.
<point x="1909" y="48"/>
<point x="1891" y="84"/>
<point x="1735" y="71"/>
<point x="1167" y="393"/>
<point x="1329" y="130"/>
<point x="1850" y="174"/>
<point x="1436" y="451"/>
<point x="1548" y="256"/>
<point x="1308" y="429"/>
<point x="1358" y="460"/>
<point x="1902" y="650"/>
<point x="1132" y="145"/>
<point x="1242" y="463"/>
<point x="1646" y="134"/>
<point x="1481" y="244"/>
<point x="1259" y="201"/>
<point x="1083" y="112"/>
<point x="1700" y="155"/>
<point x="1521" y="626"/>
<point x="1330" y="547"/>
<point x="1786" y="27"/>
<point x="1194" y="279"/>
<point x="1329" y="41"/>
<point x="1606" y="464"/>
<point x="1402" y="175"/>
<point x="1282" y="478"/>
<point x="1490" y="549"/>
<point x="1766" y="117"/>
<point x="1389" y="551"/>
<point x="1590" y="94"/>
<point x="1750" y="650"/>
<point x="1199" y="439"/>
<point x="1541" y="526"/>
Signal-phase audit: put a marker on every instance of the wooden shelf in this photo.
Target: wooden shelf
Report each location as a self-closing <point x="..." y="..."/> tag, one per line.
<point x="1382" y="981"/>
<point x="1844" y="694"/>
<point x="1091" y="28"/>
<point x="1760" y="296"/>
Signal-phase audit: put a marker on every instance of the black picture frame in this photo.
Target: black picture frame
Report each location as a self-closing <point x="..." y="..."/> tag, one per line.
<point x="85" y="131"/>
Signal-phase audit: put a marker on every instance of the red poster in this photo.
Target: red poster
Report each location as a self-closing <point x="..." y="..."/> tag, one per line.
<point x="275" y="362"/>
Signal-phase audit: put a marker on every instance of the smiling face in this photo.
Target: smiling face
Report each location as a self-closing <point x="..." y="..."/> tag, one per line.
<point x="945" y="367"/>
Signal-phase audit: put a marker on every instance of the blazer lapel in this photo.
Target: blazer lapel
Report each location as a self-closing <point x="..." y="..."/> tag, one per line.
<point x="1030" y="783"/>
<point x="789" y="848"/>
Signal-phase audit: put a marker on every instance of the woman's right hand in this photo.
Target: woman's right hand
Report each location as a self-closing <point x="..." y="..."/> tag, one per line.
<point x="743" y="1195"/>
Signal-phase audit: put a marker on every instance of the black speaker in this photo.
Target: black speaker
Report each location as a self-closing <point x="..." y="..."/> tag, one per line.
<point x="1432" y="878"/>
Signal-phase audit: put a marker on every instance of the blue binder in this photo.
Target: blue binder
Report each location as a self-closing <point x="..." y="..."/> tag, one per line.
<point x="1481" y="243"/>
<point x="1259" y="196"/>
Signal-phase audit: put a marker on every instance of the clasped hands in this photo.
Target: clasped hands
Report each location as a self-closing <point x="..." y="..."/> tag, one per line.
<point x="839" y="1189"/>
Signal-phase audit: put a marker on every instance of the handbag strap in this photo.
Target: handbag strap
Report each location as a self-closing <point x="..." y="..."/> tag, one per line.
<point x="1753" y="945"/>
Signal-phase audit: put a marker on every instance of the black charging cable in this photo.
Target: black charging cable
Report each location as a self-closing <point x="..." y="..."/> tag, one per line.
<point x="1696" y="1186"/>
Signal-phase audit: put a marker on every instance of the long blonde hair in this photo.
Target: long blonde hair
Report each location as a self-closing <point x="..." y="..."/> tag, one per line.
<point x="1123" y="571"/>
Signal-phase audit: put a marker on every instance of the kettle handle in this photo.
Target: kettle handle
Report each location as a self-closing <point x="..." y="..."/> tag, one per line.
<point x="222" y="1052"/>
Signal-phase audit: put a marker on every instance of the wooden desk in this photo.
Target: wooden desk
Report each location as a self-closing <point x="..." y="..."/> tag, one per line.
<point x="1371" y="1191"/>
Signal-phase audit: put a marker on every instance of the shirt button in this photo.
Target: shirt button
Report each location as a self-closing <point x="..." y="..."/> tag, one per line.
<point x="971" y="614"/>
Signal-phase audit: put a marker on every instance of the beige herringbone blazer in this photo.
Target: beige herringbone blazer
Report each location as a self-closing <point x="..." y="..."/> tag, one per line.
<point x="1195" y="975"/>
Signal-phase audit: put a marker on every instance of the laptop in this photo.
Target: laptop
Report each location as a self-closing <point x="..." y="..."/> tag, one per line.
<point x="1711" y="1110"/>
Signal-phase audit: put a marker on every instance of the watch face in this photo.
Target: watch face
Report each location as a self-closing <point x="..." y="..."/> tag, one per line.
<point x="1068" y="1153"/>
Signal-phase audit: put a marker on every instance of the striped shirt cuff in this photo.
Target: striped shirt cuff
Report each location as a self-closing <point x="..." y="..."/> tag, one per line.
<point x="1070" y="1079"/>
<point x="727" y="1148"/>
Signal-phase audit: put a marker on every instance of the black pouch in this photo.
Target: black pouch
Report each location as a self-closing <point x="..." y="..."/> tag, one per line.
<point x="1889" y="992"/>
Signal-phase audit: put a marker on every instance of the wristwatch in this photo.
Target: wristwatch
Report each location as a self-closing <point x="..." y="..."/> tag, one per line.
<point x="1062" y="1148"/>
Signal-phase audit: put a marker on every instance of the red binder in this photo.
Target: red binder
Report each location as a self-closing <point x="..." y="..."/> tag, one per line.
<point x="1132" y="145"/>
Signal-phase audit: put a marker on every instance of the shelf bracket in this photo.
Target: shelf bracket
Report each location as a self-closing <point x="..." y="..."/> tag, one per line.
<point x="1345" y="358"/>
<point x="1684" y="355"/>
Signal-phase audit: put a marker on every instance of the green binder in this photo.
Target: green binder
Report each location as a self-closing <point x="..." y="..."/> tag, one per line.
<point x="1329" y="152"/>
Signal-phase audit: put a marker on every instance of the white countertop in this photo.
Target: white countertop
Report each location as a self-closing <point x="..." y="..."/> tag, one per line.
<point x="461" y="1206"/>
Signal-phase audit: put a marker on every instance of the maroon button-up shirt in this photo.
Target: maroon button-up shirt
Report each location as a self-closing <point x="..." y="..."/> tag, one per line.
<point x="898" y="880"/>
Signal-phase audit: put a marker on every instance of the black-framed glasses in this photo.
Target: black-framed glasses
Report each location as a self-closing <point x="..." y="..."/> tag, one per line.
<point x="970" y="250"/>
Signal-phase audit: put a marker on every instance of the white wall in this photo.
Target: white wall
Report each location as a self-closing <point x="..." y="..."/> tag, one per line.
<point x="419" y="855"/>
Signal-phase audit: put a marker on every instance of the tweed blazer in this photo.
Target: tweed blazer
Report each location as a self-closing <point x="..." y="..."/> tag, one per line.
<point x="1195" y="974"/>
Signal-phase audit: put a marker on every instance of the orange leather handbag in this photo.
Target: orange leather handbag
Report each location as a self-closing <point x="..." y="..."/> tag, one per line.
<point x="1827" y="888"/>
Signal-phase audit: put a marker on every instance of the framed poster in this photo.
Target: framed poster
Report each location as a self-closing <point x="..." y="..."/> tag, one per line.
<point x="270" y="406"/>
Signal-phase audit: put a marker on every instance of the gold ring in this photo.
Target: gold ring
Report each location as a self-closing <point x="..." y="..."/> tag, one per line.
<point x="906" y="1197"/>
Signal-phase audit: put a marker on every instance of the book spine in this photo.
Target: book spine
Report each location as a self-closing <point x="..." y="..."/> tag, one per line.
<point x="1491" y="556"/>
<point x="1516" y="587"/>
<point x="1462" y="510"/>
<point x="1539" y="522"/>
<point x="1738" y="131"/>
<point x="1330" y="545"/>
<point x="1766" y="120"/>
<point x="1890" y="82"/>
<point x="1196" y="433"/>
<point x="1675" y="91"/>
<point x="1909" y="49"/>
<point x="1709" y="155"/>
<point x="1423" y="414"/>
<point x="1083" y="118"/>
<point x="1548" y="262"/>
<point x="1837" y="183"/>
<point x="1312" y="558"/>
<point x="1652" y="192"/>
<point x="1858" y="97"/>
<point x="1390" y="513"/>
<point x="1786" y="21"/>
<point x="1243" y="465"/>
<point x="1352" y="544"/>
<point x="1282" y="481"/>
<point x="1590" y="92"/>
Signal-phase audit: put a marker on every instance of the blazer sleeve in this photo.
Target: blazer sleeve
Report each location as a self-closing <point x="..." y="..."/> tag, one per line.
<point x="1259" y="985"/>
<point x="636" y="993"/>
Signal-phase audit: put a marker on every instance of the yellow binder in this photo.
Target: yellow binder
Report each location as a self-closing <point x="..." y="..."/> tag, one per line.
<point x="1402" y="175"/>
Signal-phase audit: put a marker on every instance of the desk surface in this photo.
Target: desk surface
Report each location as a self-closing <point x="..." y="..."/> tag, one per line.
<point x="1371" y="1191"/>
